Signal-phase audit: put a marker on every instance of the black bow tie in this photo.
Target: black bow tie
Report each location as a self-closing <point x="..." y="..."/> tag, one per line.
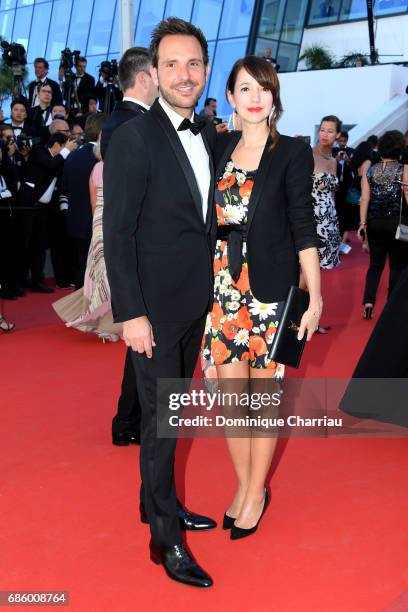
<point x="195" y="126"/>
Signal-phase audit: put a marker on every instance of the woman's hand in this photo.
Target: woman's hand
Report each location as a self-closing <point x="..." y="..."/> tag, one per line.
<point x="310" y="321"/>
<point x="361" y="232"/>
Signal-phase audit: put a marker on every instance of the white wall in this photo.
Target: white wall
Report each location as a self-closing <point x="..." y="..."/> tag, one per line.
<point x="353" y="94"/>
<point x="391" y="38"/>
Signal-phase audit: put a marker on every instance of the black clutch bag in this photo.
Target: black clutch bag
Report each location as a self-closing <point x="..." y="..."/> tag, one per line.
<point x="286" y="348"/>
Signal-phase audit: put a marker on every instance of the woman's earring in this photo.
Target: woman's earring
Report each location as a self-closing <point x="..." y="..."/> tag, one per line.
<point x="270" y="117"/>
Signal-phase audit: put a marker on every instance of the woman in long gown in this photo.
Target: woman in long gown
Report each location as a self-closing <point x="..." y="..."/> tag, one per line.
<point x="89" y="308"/>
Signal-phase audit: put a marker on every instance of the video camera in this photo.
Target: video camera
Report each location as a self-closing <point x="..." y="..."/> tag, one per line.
<point x="14" y="56"/>
<point x="109" y="69"/>
<point x="68" y="61"/>
<point x="24" y="141"/>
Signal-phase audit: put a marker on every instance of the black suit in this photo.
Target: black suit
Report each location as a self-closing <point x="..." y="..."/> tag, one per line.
<point x="56" y="92"/>
<point x="280" y="215"/>
<point x="123" y="111"/>
<point x="85" y="90"/>
<point x="40" y="170"/>
<point x="75" y="186"/>
<point x="37" y="121"/>
<point x="129" y="413"/>
<point x="159" y="264"/>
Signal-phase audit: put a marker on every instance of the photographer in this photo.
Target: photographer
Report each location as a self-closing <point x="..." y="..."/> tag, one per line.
<point x="17" y="156"/>
<point x="41" y="67"/>
<point x="36" y="193"/>
<point x="108" y="85"/>
<point x="84" y="83"/>
<point x="75" y="196"/>
<point x="343" y="154"/>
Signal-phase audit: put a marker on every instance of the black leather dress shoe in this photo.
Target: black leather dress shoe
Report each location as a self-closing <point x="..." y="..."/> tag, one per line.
<point x="180" y="565"/>
<point x="125" y="438"/>
<point x="188" y="520"/>
<point x="41" y="288"/>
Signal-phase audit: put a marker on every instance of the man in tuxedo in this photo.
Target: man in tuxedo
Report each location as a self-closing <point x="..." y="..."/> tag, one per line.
<point x="40" y="116"/>
<point x="84" y="83"/>
<point x="75" y="198"/>
<point x="19" y="121"/>
<point x="343" y="154"/>
<point x="159" y="227"/>
<point x="41" y="68"/>
<point x="139" y="93"/>
<point x="37" y="192"/>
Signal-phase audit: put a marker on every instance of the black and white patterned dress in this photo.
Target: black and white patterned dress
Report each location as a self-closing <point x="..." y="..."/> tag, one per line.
<point x="324" y="186"/>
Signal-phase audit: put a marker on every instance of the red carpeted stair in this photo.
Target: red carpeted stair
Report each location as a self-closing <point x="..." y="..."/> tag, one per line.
<point x="334" y="539"/>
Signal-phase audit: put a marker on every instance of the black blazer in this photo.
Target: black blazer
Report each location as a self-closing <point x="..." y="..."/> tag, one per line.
<point x="85" y="90"/>
<point x="56" y="92"/>
<point x="157" y="244"/>
<point x="281" y="218"/>
<point x="75" y="186"/>
<point x="123" y="111"/>
<point x="41" y="168"/>
<point x="36" y="122"/>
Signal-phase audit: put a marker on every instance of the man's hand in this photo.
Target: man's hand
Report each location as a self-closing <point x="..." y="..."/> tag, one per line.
<point x="221" y="127"/>
<point x="138" y="334"/>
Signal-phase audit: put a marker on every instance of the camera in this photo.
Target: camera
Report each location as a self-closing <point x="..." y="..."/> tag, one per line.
<point x="80" y="139"/>
<point x="109" y="70"/>
<point x="14" y="56"/>
<point x="23" y="140"/>
<point x="68" y="61"/>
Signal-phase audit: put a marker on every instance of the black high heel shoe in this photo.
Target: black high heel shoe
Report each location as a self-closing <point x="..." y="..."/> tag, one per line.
<point x="238" y="532"/>
<point x="228" y="522"/>
<point x="368" y="312"/>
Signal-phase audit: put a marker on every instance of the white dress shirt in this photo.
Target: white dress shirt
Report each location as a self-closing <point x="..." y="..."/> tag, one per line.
<point x="196" y="152"/>
<point x="136" y="101"/>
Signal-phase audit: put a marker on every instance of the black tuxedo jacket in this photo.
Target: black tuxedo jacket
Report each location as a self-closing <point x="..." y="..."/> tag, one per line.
<point x="123" y="111"/>
<point x="35" y="120"/>
<point x="75" y="186"/>
<point x="56" y="92"/>
<point x="281" y="218"/>
<point x="40" y="170"/>
<point x="157" y="245"/>
<point x="85" y="90"/>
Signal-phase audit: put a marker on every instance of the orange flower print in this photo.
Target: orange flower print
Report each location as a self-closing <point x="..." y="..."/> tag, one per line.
<point x="220" y="214"/>
<point x="270" y="333"/>
<point x="229" y="329"/>
<point x="245" y="189"/>
<point x="219" y="352"/>
<point x="216" y="314"/>
<point x="243" y="282"/>
<point x="257" y="346"/>
<point x="226" y="182"/>
<point x="217" y="265"/>
<point x="271" y="365"/>
<point x="245" y="356"/>
<point x="244" y="318"/>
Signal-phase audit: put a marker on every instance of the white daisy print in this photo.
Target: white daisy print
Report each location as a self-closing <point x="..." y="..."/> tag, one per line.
<point x="233" y="306"/>
<point x="241" y="337"/>
<point x="233" y="213"/>
<point x="263" y="311"/>
<point x="241" y="178"/>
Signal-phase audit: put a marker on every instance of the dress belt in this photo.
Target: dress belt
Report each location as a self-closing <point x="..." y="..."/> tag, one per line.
<point x="235" y="236"/>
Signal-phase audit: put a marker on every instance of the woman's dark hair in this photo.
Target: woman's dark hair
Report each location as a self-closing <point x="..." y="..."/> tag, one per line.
<point x="362" y="153"/>
<point x="391" y="145"/>
<point x="332" y="119"/>
<point x="56" y="137"/>
<point x="265" y="74"/>
<point x="170" y="27"/>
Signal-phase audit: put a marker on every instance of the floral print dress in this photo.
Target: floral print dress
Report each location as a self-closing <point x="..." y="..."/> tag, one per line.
<point x="324" y="187"/>
<point x="239" y="327"/>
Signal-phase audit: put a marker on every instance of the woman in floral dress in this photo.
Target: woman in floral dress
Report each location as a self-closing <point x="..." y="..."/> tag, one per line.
<point x="265" y="225"/>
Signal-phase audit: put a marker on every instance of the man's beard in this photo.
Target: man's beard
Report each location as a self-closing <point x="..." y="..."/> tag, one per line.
<point x="171" y="99"/>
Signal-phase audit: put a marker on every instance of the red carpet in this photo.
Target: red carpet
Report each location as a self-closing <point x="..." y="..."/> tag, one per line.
<point x="334" y="538"/>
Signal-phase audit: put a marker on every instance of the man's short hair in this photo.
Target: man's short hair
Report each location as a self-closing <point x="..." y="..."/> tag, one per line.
<point x="373" y="140"/>
<point x="94" y="125"/>
<point x="208" y="100"/>
<point x="81" y="58"/>
<point x="19" y="101"/>
<point x="57" y="137"/>
<point x="42" y="60"/>
<point x="40" y="87"/>
<point x="344" y="134"/>
<point x="5" y="126"/>
<point x="171" y="27"/>
<point x="134" y="60"/>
